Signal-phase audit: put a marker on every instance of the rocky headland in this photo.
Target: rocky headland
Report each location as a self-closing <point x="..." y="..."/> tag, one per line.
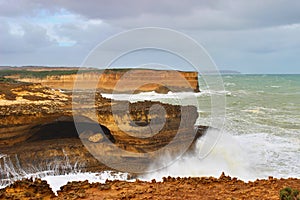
<point x="37" y="130"/>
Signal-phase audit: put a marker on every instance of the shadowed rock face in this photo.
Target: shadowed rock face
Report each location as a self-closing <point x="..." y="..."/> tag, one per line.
<point x="63" y="128"/>
<point x="39" y="133"/>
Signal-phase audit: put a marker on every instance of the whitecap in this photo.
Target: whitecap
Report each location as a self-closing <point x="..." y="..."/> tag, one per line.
<point x="229" y="84"/>
<point x="275" y="86"/>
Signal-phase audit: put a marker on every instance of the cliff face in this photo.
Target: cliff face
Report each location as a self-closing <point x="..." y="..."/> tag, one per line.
<point x="134" y="80"/>
<point x="37" y="128"/>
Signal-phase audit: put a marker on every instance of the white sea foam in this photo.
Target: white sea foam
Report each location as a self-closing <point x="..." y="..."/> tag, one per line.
<point x="170" y="97"/>
<point x="153" y="96"/>
<point x="272" y="155"/>
<point x="275" y="86"/>
<point x="227" y="84"/>
<point x="246" y="156"/>
<point x="56" y="182"/>
<point x="227" y="156"/>
<point x="213" y="92"/>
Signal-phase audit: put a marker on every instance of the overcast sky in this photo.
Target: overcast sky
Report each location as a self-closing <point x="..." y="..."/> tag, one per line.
<point x="248" y="36"/>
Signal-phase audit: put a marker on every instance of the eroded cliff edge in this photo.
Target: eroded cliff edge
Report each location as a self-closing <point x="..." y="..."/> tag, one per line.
<point x="137" y="80"/>
<point x="37" y="128"/>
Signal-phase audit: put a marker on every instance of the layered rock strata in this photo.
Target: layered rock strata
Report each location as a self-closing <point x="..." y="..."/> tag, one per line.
<point x="132" y="80"/>
<point x="37" y="130"/>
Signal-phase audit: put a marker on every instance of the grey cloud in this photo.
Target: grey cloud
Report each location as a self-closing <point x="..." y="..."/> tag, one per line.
<point x="85" y="32"/>
<point x="34" y="44"/>
<point x="31" y="39"/>
<point x="219" y="14"/>
<point x="16" y="8"/>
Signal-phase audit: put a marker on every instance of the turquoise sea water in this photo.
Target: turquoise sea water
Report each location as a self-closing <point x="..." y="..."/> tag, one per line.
<point x="264" y="110"/>
<point x="263" y="115"/>
<point x="263" y="103"/>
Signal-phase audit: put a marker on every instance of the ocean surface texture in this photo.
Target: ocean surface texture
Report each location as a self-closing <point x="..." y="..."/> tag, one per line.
<point x="263" y="114"/>
<point x="261" y="133"/>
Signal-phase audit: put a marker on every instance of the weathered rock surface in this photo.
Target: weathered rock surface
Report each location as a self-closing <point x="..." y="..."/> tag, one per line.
<point x="27" y="190"/>
<point x="204" y="188"/>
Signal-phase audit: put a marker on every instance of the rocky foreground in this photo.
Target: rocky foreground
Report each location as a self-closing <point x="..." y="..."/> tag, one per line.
<point x="223" y="187"/>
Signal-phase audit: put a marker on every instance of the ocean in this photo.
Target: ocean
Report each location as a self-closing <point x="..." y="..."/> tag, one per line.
<point x="263" y="115"/>
<point x="260" y="136"/>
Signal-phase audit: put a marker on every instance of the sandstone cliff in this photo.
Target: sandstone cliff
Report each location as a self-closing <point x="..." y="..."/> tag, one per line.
<point x="37" y="130"/>
<point x="137" y="80"/>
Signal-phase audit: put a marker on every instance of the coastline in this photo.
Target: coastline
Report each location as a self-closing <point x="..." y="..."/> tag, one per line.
<point x="30" y="99"/>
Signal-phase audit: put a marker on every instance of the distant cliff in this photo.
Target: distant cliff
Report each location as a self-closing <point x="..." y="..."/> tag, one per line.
<point x="137" y="80"/>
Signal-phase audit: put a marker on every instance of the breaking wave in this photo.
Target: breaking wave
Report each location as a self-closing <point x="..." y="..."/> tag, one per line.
<point x="226" y="156"/>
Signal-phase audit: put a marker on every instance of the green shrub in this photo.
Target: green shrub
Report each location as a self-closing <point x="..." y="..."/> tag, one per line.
<point x="289" y="194"/>
<point x="7" y="80"/>
<point x="40" y="74"/>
